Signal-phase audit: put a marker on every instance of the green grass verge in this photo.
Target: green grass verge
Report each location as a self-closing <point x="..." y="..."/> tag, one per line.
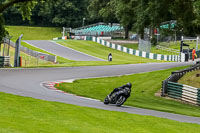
<point x="28" y="115"/>
<point x="176" y="45"/>
<point x="153" y="49"/>
<point x="100" y="51"/>
<point x="191" y="79"/>
<point x="145" y="85"/>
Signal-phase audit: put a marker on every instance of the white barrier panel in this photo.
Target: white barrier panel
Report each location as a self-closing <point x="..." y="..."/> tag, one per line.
<point x="93" y="39"/>
<point x="102" y="42"/>
<point x="144" y="54"/>
<point x="125" y="49"/>
<point x="170" y="58"/>
<point x="151" y="56"/>
<point x="165" y="57"/>
<point x="137" y="52"/>
<point x="98" y="40"/>
<point x="130" y="51"/>
<point x="184" y="98"/>
<point x="105" y="38"/>
<point x="108" y="44"/>
<point x="158" y="56"/>
<point x="119" y="47"/>
<point x="113" y="46"/>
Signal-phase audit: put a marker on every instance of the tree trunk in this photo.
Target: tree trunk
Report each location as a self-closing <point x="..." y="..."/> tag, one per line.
<point x="142" y="33"/>
<point x="126" y="32"/>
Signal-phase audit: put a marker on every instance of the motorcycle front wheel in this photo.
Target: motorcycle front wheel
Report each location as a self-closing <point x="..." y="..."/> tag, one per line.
<point x="106" y="100"/>
<point x="120" y="100"/>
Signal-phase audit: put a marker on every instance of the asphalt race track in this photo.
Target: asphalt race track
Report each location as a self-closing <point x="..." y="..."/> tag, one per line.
<point x="27" y="82"/>
<point x="62" y="51"/>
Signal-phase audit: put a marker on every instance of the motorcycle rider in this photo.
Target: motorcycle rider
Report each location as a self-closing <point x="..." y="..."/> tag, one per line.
<point x="125" y="89"/>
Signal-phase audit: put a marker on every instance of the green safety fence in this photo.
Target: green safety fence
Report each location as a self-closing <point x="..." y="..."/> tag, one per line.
<point x="175" y="90"/>
<point x="183" y="92"/>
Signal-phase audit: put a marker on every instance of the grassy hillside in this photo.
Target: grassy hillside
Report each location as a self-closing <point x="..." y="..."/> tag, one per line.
<point x="28" y="115"/>
<point x="145" y="85"/>
<point x="173" y="45"/>
<point x="97" y="50"/>
<point x="153" y="49"/>
<point x="33" y="33"/>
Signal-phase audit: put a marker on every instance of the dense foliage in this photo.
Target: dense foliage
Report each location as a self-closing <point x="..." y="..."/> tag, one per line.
<point x="141" y="14"/>
<point x="24" y="7"/>
<point x="69" y="13"/>
<point x="131" y="14"/>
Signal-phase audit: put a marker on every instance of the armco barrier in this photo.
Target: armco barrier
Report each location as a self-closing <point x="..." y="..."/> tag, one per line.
<point x="176" y="58"/>
<point x="4" y="61"/>
<point x="180" y="91"/>
<point x="183" y="92"/>
<point x="37" y="54"/>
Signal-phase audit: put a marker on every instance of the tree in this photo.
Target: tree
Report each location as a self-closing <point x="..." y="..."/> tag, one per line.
<point x="196" y="12"/>
<point x="151" y="14"/>
<point x="5" y="4"/>
<point x="184" y="12"/>
<point x="114" y="11"/>
<point x="69" y="13"/>
<point x="125" y="12"/>
<point x="99" y="10"/>
<point x="25" y="7"/>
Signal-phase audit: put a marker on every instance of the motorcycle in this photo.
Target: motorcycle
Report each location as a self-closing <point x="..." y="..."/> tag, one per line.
<point x="119" y="95"/>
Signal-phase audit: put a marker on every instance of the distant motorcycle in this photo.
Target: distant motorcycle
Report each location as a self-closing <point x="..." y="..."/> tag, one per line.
<point x="119" y="95"/>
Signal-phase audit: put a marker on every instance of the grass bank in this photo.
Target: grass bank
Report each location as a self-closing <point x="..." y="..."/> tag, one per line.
<point x="23" y="114"/>
<point x="33" y="33"/>
<point x="191" y="79"/>
<point x="97" y="50"/>
<point x="172" y="45"/>
<point x="145" y="85"/>
<point x="153" y="49"/>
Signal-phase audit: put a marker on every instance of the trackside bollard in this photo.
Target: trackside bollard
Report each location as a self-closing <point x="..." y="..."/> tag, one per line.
<point x="20" y="61"/>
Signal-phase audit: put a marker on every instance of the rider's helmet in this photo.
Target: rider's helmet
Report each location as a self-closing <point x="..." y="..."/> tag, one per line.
<point x="129" y="85"/>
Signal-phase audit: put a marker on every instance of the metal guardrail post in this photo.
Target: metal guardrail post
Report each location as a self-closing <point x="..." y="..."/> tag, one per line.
<point x="164" y="87"/>
<point x="17" y="51"/>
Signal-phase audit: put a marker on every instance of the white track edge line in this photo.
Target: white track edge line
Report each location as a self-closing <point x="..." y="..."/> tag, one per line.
<point x="78" y="51"/>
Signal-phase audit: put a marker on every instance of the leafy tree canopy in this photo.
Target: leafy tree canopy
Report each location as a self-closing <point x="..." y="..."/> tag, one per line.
<point x="24" y="6"/>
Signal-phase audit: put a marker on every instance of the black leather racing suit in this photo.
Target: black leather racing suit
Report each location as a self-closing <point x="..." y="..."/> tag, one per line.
<point x="125" y="90"/>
